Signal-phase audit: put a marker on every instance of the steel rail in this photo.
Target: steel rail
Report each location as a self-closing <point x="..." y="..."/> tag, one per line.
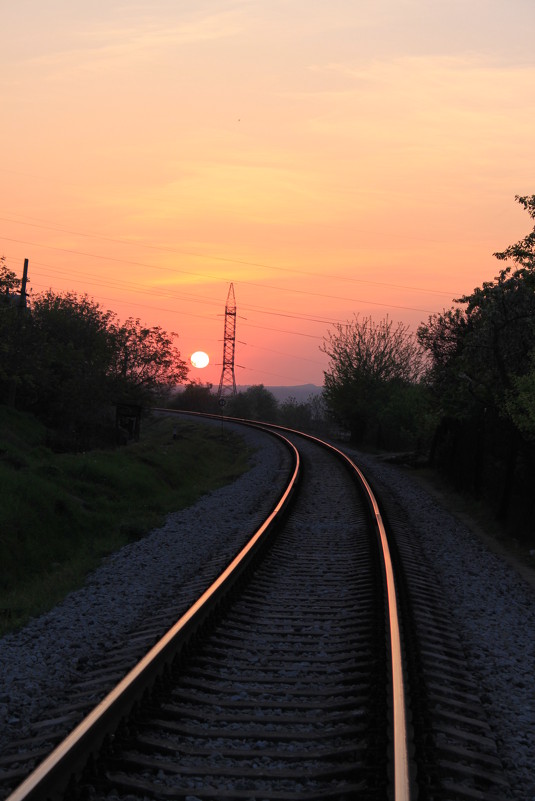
<point x="401" y="790"/>
<point x="50" y="779"/>
<point x="400" y="735"/>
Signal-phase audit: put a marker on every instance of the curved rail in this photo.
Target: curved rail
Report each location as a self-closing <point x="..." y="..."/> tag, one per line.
<point x="400" y="731"/>
<point x="400" y="736"/>
<point x="50" y="779"/>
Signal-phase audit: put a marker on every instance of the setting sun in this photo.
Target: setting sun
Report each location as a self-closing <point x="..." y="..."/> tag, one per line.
<point x="199" y="359"/>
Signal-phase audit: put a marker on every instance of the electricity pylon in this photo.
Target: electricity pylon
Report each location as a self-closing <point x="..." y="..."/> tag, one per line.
<point x="227" y="384"/>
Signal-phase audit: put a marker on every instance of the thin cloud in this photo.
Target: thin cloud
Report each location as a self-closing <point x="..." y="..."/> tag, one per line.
<point x="101" y="46"/>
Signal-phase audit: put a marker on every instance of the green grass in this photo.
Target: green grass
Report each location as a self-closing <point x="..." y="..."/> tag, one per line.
<point x="60" y="514"/>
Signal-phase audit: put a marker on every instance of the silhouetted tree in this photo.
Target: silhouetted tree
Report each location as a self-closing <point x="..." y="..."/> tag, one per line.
<point x="478" y="353"/>
<point x="145" y="365"/>
<point x="14" y="332"/>
<point x="482" y="374"/>
<point x="255" y="403"/>
<point x="70" y="359"/>
<point x="196" y="397"/>
<point x="9" y="282"/>
<point x="370" y="364"/>
<point x="71" y="356"/>
<point x="296" y="415"/>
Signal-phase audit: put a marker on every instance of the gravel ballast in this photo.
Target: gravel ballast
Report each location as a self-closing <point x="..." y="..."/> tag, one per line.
<point x="39" y="662"/>
<point x="493" y="607"/>
<point x="492" y="604"/>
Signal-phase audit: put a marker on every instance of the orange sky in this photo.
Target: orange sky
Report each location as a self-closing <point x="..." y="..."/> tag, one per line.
<point x="328" y="158"/>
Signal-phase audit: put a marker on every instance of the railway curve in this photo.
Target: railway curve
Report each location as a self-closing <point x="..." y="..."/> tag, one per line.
<point x="294" y="688"/>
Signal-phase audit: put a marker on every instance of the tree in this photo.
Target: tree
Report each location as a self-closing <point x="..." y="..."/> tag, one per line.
<point x="70" y="359"/>
<point x="443" y="339"/>
<point x="196" y="397"/>
<point x="146" y="364"/>
<point x="12" y="334"/>
<point x="369" y="362"/>
<point x="483" y="376"/>
<point x="295" y="415"/>
<point x="522" y="252"/>
<point x="478" y="352"/>
<point x="255" y="403"/>
<point x="9" y="283"/>
<point x="520" y="402"/>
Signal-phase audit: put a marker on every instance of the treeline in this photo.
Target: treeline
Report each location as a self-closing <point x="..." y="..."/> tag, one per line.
<point x="254" y="403"/>
<point x="482" y="381"/>
<point x="70" y="362"/>
<point x="461" y="390"/>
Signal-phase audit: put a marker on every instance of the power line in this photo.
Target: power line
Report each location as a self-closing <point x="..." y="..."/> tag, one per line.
<point x="207" y="317"/>
<point x="202" y="316"/>
<point x="267" y="372"/>
<point x="263" y="265"/>
<point x="264" y="286"/>
<point x="141" y="289"/>
<point x="281" y="353"/>
<point x="154" y="308"/>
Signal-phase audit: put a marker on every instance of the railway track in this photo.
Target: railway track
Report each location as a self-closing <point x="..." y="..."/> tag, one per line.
<point x="289" y="678"/>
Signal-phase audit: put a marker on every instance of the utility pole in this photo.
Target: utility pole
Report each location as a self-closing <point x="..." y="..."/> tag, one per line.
<point x="22" y="302"/>
<point x="227" y="384"/>
<point x="17" y="336"/>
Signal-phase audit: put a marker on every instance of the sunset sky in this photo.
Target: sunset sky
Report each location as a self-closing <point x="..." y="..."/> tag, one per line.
<point x="327" y="157"/>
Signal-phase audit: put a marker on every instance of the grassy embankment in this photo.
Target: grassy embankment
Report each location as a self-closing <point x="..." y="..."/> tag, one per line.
<point x="60" y="514"/>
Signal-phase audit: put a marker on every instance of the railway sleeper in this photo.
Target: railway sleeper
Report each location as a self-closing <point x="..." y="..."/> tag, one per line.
<point x="339" y="751"/>
<point x="345" y="791"/>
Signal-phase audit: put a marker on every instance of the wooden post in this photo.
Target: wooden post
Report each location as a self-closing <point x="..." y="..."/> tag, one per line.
<point x="23" y="285"/>
<point x="15" y="346"/>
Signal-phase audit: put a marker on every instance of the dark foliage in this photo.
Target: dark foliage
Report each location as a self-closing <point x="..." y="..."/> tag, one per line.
<point x="373" y="387"/>
<point x="69" y="362"/>
<point x="482" y="377"/>
<point x="254" y="403"/>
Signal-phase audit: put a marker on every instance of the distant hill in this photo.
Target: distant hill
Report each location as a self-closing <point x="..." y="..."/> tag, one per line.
<point x="301" y="393"/>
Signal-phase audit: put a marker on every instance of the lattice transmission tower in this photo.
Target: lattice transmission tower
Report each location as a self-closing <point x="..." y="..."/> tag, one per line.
<point x="227" y="384"/>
